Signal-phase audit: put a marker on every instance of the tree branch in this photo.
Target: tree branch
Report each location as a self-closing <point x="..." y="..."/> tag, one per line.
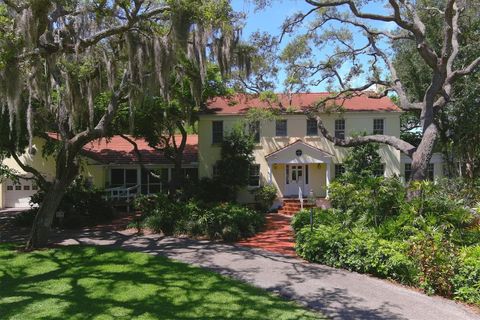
<point x="38" y="176"/>
<point x="139" y="155"/>
<point x="395" y="142"/>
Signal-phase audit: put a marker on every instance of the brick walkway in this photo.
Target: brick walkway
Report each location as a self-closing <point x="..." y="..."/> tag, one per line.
<point x="278" y="236"/>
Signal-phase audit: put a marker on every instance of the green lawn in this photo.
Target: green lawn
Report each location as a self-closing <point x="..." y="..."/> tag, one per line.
<point x="96" y="283"/>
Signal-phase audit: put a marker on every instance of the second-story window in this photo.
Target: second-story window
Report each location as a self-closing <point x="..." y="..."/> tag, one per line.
<point x="281" y="128"/>
<point x="312" y="127"/>
<point x="430" y="171"/>
<point x="254" y="130"/>
<point x="254" y="175"/>
<point x="378" y="126"/>
<point x="340" y="128"/>
<point x="217" y="132"/>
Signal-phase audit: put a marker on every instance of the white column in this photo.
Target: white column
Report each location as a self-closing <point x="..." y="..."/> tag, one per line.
<point x="327" y="178"/>
<point x="270" y="173"/>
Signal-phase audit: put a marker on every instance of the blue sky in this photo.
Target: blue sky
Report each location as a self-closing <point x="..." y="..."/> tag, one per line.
<point x="271" y="19"/>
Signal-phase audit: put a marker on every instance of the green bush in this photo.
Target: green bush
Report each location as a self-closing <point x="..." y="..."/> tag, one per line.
<point x="25" y="218"/>
<point x="265" y="196"/>
<point x="225" y="221"/>
<point x="82" y="205"/>
<point x="165" y="215"/>
<point x="368" y="200"/>
<point x="466" y="281"/>
<point x="320" y="216"/>
<point x="437" y="257"/>
<point x="357" y="250"/>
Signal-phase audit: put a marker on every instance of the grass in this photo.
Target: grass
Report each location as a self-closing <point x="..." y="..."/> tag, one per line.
<point x="81" y="282"/>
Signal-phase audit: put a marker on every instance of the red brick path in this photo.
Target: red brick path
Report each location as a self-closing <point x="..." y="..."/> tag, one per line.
<point x="277" y="237"/>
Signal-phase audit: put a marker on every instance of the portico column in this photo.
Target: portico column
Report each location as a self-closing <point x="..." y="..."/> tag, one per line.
<point x="270" y="178"/>
<point x="327" y="178"/>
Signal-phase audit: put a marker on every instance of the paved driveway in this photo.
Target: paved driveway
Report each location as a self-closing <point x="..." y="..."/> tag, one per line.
<point x="337" y="293"/>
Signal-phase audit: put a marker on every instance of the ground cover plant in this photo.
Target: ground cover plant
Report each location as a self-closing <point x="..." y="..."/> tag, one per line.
<point x="225" y="221"/>
<point x="430" y="241"/>
<point x="98" y="283"/>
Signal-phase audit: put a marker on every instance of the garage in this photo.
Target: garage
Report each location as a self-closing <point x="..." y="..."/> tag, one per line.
<point x="18" y="194"/>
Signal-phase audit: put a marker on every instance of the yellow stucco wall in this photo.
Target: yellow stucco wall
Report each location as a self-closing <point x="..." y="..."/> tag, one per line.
<point x="46" y="166"/>
<point x="355" y="122"/>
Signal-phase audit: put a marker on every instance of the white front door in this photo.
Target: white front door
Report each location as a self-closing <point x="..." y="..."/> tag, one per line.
<point x="295" y="180"/>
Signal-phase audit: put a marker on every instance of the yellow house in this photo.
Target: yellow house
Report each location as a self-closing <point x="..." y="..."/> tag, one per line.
<point x="290" y="152"/>
<point x="110" y="164"/>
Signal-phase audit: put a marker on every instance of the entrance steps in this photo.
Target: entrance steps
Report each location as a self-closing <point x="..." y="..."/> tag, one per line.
<point x="291" y="206"/>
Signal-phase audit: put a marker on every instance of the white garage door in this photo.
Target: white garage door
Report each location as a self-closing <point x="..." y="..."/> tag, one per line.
<point x="17" y="195"/>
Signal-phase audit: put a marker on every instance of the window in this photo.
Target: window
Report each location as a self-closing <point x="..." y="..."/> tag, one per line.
<point x="378" y="126"/>
<point x="281" y="128"/>
<point x="430" y="171"/>
<point x="306" y="174"/>
<point x="254" y="175"/>
<point x="10" y="188"/>
<point x="312" y="127"/>
<point x="217" y="132"/>
<point x="254" y="130"/>
<point x="340" y="128"/>
<point x="26" y="188"/>
<point x="34" y="187"/>
<point x="18" y="188"/>
<point x="339" y="170"/>
<point x="154" y="184"/>
<point x="215" y="171"/>
<point x="408" y="171"/>
<point x="123" y="178"/>
<point x="380" y="172"/>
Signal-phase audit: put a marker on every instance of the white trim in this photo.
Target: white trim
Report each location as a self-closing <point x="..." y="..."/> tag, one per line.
<point x="287" y="155"/>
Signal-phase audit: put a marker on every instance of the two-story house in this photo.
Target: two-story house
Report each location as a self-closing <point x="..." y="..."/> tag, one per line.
<point x="290" y="152"/>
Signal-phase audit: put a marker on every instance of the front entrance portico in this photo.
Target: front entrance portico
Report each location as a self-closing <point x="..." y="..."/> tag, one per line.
<point x="300" y="169"/>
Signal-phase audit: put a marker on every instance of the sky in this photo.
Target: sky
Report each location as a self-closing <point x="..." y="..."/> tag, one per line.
<point x="271" y="19"/>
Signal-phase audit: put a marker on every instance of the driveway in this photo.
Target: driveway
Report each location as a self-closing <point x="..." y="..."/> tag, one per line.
<point x="337" y="293"/>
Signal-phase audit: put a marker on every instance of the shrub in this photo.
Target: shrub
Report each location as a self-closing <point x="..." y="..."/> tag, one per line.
<point x="437" y="258"/>
<point x="148" y="203"/>
<point x="166" y="216"/>
<point x="25" y="218"/>
<point x="369" y="200"/>
<point x="265" y="196"/>
<point x="82" y="205"/>
<point x="320" y="216"/>
<point x="225" y="221"/>
<point x="357" y="250"/>
<point x="212" y="191"/>
<point x="466" y="282"/>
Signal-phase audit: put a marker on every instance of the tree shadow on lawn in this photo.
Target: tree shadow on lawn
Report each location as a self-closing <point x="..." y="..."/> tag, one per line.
<point x="79" y="282"/>
<point x="334" y="302"/>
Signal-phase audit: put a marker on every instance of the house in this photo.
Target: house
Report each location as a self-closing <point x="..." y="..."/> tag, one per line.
<point x="290" y="152"/>
<point x="107" y="163"/>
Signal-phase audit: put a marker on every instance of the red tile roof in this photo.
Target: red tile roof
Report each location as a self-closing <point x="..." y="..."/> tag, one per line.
<point x="241" y="103"/>
<point x="117" y="150"/>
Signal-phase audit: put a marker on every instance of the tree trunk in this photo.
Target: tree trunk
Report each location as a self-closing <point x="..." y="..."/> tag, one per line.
<point x="177" y="175"/>
<point x="66" y="171"/>
<point x="43" y="220"/>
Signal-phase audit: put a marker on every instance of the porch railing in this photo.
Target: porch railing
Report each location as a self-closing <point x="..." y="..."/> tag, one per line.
<point x="300" y="197"/>
<point x="121" y="193"/>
